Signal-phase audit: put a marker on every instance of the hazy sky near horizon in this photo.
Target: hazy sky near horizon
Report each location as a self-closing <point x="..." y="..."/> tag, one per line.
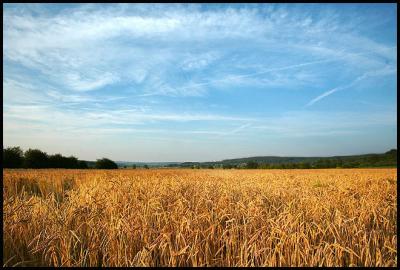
<point x="192" y="82"/>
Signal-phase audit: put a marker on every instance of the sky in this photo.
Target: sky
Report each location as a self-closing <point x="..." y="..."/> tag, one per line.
<point x="194" y="82"/>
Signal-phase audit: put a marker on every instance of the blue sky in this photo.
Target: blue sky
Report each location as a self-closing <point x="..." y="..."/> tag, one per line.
<point x="191" y="82"/>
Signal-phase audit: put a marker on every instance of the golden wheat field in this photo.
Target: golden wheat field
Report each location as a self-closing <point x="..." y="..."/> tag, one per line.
<point x="178" y="217"/>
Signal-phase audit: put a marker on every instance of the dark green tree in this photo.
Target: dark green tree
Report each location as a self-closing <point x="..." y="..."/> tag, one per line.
<point x="226" y="166"/>
<point x="34" y="158"/>
<point x="265" y="166"/>
<point x="56" y="161"/>
<point x="82" y="164"/>
<point x="13" y="157"/>
<point x="304" y="165"/>
<point x="71" y="162"/>
<point x="251" y="165"/>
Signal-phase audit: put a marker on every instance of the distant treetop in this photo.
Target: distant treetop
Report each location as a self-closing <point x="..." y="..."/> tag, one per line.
<point x="105" y="163"/>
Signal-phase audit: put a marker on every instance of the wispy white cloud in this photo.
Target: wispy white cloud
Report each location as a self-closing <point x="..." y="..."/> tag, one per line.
<point x="195" y="62"/>
<point x="99" y="118"/>
<point x="24" y="91"/>
<point x="76" y="82"/>
<point x="82" y="49"/>
<point x="296" y="78"/>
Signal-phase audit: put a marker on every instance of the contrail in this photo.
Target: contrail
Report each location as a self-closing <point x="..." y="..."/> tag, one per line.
<point x="330" y="92"/>
<point x="359" y="78"/>
<point x="236" y="130"/>
<point x="327" y="93"/>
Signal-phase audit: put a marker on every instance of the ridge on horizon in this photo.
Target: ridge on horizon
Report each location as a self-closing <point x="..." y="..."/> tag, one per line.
<point x="252" y="157"/>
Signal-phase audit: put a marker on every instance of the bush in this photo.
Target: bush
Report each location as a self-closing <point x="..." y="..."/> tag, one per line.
<point x="105" y="163"/>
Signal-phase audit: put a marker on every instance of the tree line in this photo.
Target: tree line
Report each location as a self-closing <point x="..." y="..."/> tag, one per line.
<point x="15" y="157"/>
<point x="388" y="159"/>
<point x="320" y="164"/>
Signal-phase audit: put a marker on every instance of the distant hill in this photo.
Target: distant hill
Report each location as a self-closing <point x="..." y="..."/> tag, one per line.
<point x="388" y="159"/>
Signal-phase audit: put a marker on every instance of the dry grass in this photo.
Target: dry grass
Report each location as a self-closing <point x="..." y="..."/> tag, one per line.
<point x="333" y="217"/>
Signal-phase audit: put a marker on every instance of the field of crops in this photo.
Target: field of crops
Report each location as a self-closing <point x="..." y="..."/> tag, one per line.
<point x="166" y="217"/>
